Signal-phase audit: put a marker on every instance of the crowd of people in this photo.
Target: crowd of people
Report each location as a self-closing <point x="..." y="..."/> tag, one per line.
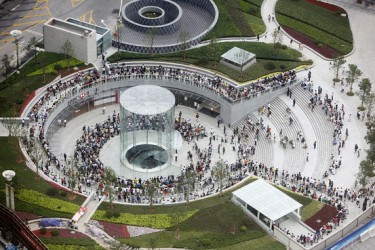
<point x="91" y="170"/>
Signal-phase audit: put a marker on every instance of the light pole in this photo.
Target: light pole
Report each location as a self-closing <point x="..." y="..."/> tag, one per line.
<point x="8" y="175"/>
<point x="17" y="35"/>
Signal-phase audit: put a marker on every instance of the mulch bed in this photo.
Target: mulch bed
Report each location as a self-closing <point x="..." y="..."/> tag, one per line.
<point x="326" y="214"/>
<point x="27" y="216"/>
<point x="331" y="7"/>
<point x="325" y="50"/>
<point x="63" y="233"/>
<point x="115" y="230"/>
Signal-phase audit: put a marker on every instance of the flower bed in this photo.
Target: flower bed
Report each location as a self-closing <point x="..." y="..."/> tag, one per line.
<point x="325" y="50"/>
<point x="63" y="233"/>
<point x="115" y="230"/>
<point x="27" y="216"/>
<point x="325" y="215"/>
<point x="327" y="6"/>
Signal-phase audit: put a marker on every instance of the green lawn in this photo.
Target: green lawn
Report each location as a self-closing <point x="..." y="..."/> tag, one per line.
<point x="284" y="59"/>
<point x="215" y="226"/>
<point x="320" y="24"/>
<point x="11" y="158"/>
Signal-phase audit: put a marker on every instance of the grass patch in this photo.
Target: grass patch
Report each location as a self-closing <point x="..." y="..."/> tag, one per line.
<point x="73" y="247"/>
<point x="51" y="68"/>
<point x="317" y="22"/>
<point x="317" y="35"/>
<point x="256" y="23"/>
<point x="204" y="57"/>
<point x="264" y="243"/>
<point x="231" y="21"/>
<point x="11" y="158"/>
<point x="68" y="241"/>
<point x="309" y="210"/>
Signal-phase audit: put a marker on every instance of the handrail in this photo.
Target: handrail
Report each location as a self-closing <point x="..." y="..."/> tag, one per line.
<point x="21" y="232"/>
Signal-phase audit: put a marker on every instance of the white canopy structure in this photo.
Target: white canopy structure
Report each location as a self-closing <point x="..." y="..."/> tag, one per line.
<point x="266" y="202"/>
<point x="238" y="59"/>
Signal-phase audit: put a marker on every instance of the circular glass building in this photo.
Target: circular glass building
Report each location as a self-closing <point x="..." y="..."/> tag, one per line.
<point x="147" y="128"/>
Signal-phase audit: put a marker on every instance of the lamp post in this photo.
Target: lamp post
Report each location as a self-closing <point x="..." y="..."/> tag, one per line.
<point x="17" y="35"/>
<point x="8" y="175"/>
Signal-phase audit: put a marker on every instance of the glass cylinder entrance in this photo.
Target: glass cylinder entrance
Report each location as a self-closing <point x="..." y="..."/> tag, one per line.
<point x="147" y="128"/>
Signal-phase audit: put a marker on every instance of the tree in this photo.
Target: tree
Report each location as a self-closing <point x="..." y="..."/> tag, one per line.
<point x="176" y="218"/>
<point x="213" y="50"/>
<point x="189" y="180"/>
<point x="352" y="76"/>
<point x="220" y="172"/>
<point x="151" y="34"/>
<point x="364" y="89"/>
<point x="369" y="103"/>
<point x="118" y="33"/>
<point x="151" y="189"/>
<point x="183" y="38"/>
<point x="11" y="123"/>
<point x="68" y="50"/>
<point x="335" y="66"/>
<point x="110" y="179"/>
<point x="31" y="45"/>
<point x="241" y="57"/>
<point x="6" y="64"/>
<point x="277" y="38"/>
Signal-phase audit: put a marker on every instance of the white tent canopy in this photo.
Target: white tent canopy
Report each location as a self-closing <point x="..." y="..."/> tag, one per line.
<point x="266" y="199"/>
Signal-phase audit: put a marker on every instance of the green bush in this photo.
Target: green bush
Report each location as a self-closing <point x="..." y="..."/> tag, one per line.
<point x="269" y="66"/>
<point x="108" y="214"/>
<point x="243" y="228"/>
<point x="116" y="214"/>
<point x="58" y="67"/>
<point x="43" y="230"/>
<point x="63" y="193"/>
<point x="282" y="66"/>
<point x="253" y="11"/>
<point x="52" y="192"/>
<point x="284" y="46"/>
<point x="55" y="232"/>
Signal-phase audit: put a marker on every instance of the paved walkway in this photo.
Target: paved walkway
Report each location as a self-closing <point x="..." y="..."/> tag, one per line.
<point x="363" y="53"/>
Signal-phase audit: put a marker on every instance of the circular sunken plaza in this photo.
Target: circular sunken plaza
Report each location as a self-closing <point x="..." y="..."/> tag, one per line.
<point x="159" y="24"/>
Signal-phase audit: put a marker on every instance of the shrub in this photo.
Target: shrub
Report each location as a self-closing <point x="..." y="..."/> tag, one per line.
<point x="269" y="66"/>
<point x="284" y="46"/>
<point x="282" y="66"/>
<point x="51" y="192"/>
<point x="243" y="228"/>
<point x="108" y="214"/>
<point x="253" y="11"/>
<point x="116" y="214"/>
<point x="205" y="242"/>
<point x="278" y="45"/>
<point x="55" y="232"/>
<point x="58" y="67"/>
<point x="338" y="12"/>
<point x="63" y="193"/>
<point x="43" y="230"/>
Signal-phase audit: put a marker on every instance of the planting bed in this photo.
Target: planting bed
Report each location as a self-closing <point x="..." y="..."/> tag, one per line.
<point x="326" y="214"/>
<point x="327" y="6"/>
<point x="325" y="50"/>
<point x="63" y="233"/>
<point x="115" y="230"/>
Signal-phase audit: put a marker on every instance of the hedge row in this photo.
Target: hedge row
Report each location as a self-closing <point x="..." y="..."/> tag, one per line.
<point x="42" y="200"/>
<point x="145" y="220"/>
<point x="53" y="67"/>
<point x="68" y="241"/>
<point x="317" y="17"/>
<point x="316" y="34"/>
